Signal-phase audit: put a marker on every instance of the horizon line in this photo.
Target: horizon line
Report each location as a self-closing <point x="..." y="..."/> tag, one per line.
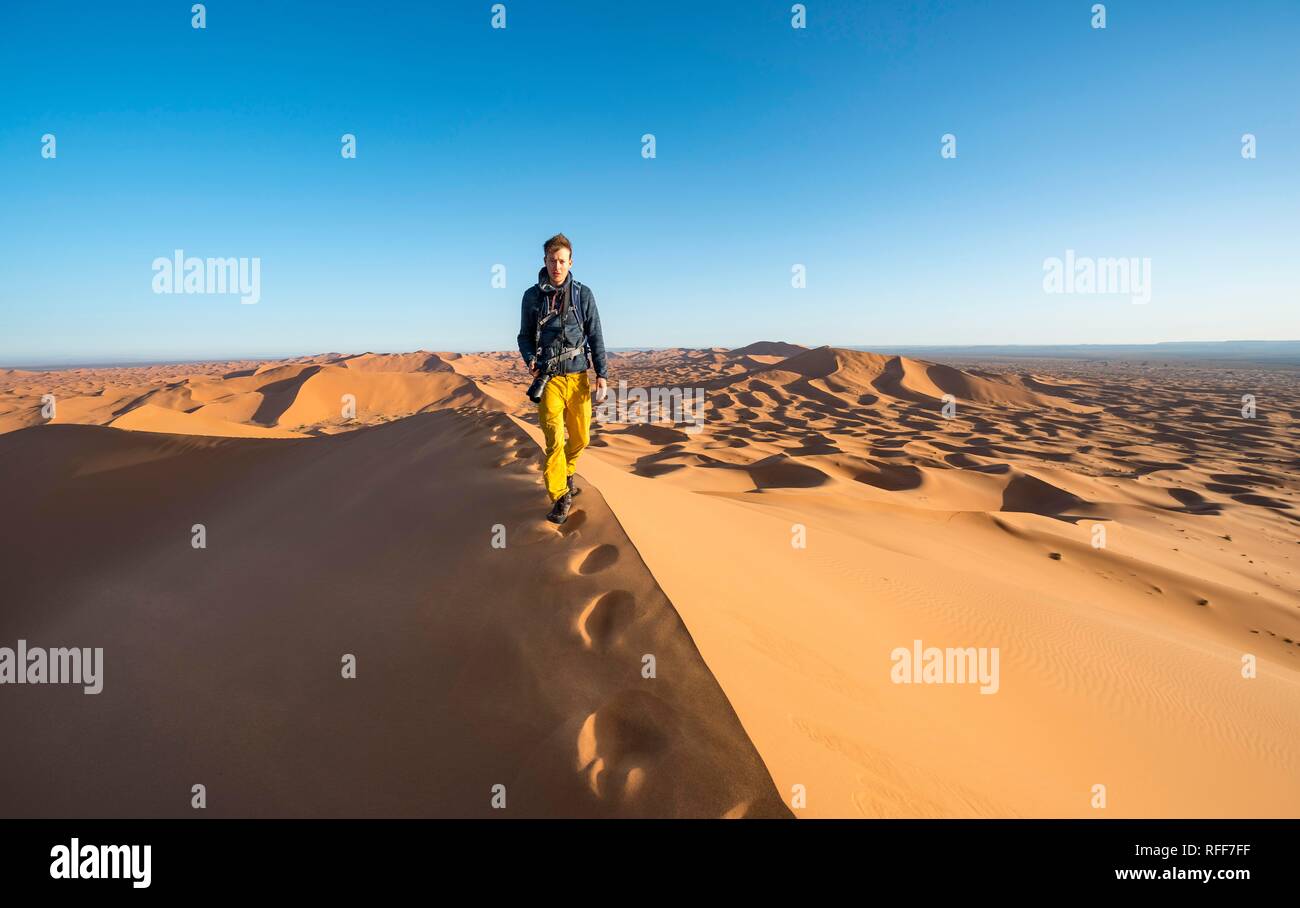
<point x="41" y="364"/>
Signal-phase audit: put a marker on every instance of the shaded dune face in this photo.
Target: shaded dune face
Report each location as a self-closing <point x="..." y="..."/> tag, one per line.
<point x="477" y="665"/>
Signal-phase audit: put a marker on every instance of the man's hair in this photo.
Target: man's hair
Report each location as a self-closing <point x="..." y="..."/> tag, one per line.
<point x="557" y="242"/>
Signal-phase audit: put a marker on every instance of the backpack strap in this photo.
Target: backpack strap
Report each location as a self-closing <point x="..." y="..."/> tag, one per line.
<point x="576" y="298"/>
<point x="581" y="313"/>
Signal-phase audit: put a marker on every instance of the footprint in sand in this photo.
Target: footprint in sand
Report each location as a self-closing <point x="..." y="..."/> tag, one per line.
<point x="574" y="523"/>
<point x="619" y="743"/>
<point x="738" y="812"/>
<point x="603" y="621"/>
<point x="513" y="459"/>
<point x="538" y="529"/>
<point x="597" y="559"/>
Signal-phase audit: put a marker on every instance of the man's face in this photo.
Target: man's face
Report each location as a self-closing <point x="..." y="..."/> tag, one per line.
<point x="558" y="264"/>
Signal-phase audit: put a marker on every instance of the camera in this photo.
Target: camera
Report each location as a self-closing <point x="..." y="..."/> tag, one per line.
<point x="538" y="387"/>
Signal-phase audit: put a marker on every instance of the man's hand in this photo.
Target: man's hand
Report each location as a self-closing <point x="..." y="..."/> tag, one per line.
<point x="602" y="389"/>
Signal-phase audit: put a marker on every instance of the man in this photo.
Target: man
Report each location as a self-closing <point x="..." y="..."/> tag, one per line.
<point x="559" y="336"/>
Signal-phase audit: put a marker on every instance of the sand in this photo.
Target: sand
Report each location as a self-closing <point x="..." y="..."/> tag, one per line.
<point x="830" y="513"/>
<point x="477" y="666"/>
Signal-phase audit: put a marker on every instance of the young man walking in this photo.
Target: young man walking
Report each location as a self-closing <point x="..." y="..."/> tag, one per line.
<point x="560" y="339"/>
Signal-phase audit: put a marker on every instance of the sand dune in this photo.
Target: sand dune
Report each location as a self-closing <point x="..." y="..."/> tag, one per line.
<point x="771" y="349"/>
<point x="830" y="512"/>
<point x="311" y="395"/>
<point x="152" y="418"/>
<point x="475" y="665"/>
<point x="1122" y="665"/>
<point x="858" y="378"/>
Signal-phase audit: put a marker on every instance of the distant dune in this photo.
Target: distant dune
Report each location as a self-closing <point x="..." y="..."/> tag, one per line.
<point x="309" y="395"/>
<point x="778" y="349"/>
<point x="859" y="378"/>
<point x="150" y="418"/>
<point x="1121" y="533"/>
<point x="1256" y="354"/>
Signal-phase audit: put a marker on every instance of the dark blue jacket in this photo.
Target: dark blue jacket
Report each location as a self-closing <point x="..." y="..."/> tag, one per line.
<point x="587" y="335"/>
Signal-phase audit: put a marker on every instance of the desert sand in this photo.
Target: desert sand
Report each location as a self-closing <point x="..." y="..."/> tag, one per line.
<point x="1122" y="535"/>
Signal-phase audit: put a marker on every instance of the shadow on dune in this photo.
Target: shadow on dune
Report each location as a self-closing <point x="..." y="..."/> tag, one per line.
<point x="892" y="477"/>
<point x="1031" y="495"/>
<point x="279" y="396"/>
<point x="477" y="665"/>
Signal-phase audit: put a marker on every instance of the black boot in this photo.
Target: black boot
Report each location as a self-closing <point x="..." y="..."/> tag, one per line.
<point x="560" y="511"/>
<point x="573" y="489"/>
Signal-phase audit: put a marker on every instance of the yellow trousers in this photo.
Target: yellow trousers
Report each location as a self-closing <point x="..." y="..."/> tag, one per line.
<point x="565" y="416"/>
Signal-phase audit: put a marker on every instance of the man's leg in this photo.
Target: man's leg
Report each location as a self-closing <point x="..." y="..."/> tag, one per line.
<point x="550" y="414"/>
<point x="577" y="421"/>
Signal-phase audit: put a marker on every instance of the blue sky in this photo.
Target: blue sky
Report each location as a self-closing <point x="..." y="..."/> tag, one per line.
<point x="775" y="146"/>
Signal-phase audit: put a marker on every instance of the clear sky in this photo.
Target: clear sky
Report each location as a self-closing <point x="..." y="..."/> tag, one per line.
<point x="775" y="146"/>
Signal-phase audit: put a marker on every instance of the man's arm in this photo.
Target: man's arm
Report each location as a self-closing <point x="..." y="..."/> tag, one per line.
<point x="527" y="330"/>
<point x="595" y="340"/>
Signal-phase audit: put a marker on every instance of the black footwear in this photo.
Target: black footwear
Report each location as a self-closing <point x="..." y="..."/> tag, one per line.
<point x="560" y="511"/>
<point x="573" y="489"/>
